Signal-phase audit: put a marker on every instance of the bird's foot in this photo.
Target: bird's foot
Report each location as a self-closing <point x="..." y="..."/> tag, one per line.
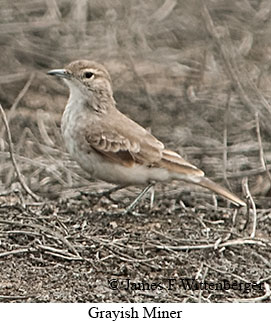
<point x="130" y="207"/>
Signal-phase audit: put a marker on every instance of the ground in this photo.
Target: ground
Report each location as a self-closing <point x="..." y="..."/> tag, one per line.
<point x="85" y="250"/>
<point x="197" y="75"/>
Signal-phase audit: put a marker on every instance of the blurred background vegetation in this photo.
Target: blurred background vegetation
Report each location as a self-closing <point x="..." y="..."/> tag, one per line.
<point x="197" y="73"/>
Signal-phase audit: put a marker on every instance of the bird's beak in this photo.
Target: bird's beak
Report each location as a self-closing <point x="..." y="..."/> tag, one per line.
<point x="60" y="73"/>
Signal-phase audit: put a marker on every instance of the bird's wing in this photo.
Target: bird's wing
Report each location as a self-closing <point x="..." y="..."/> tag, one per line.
<point x="176" y="163"/>
<point x="112" y="145"/>
<point x="125" y="142"/>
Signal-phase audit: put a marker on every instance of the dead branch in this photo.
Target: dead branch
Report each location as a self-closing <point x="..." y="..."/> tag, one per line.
<point x="18" y="99"/>
<point x="55" y="235"/>
<point x="59" y="252"/>
<point x="72" y="258"/>
<point x="16" y="252"/>
<point x="10" y="144"/>
<point x="252" y="203"/>
<point x="229" y="243"/>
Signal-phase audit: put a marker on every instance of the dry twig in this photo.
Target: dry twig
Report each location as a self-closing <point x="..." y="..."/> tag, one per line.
<point x="16" y="252"/>
<point x="229" y="243"/>
<point x="18" y="99"/>
<point x="54" y="234"/>
<point x="59" y="253"/>
<point x="251" y="201"/>
<point x="19" y="175"/>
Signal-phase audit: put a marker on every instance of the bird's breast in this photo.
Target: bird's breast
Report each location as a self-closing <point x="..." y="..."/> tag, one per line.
<point x="73" y="124"/>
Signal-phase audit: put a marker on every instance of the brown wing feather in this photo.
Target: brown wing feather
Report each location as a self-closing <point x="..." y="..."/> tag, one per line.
<point x="150" y="148"/>
<point x="152" y="151"/>
<point x="113" y="146"/>
<point x="123" y="141"/>
<point x="177" y="164"/>
<point x="127" y="143"/>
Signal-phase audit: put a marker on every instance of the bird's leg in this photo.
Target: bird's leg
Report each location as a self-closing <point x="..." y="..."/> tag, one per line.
<point x="106" y="193"/>
<point x="138" y="198"/>
<point x="152" y="193"/>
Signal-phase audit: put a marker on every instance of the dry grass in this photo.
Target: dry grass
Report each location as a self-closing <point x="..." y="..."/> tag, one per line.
<point x="196" y="73"/>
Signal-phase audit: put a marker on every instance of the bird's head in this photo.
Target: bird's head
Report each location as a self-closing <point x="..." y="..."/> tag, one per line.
<point x="85" y="78"/>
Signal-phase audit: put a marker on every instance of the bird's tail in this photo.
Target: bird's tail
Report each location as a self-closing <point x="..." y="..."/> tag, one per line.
<point x="190" y="173"/>
<point x="207" y="183"/>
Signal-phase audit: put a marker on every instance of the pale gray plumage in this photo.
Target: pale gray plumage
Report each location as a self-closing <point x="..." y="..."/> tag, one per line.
<point x="112" y="147"/>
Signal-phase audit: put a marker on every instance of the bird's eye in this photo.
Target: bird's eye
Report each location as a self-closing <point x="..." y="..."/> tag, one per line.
<point x="88" y="75"/>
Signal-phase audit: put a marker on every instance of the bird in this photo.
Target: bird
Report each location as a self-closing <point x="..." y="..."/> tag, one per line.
<point x="112" y="147"/>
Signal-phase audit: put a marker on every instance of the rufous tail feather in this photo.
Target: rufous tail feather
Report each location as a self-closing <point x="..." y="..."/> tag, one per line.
<point x="175" y="163"/>
<point x="207" y="183"/>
